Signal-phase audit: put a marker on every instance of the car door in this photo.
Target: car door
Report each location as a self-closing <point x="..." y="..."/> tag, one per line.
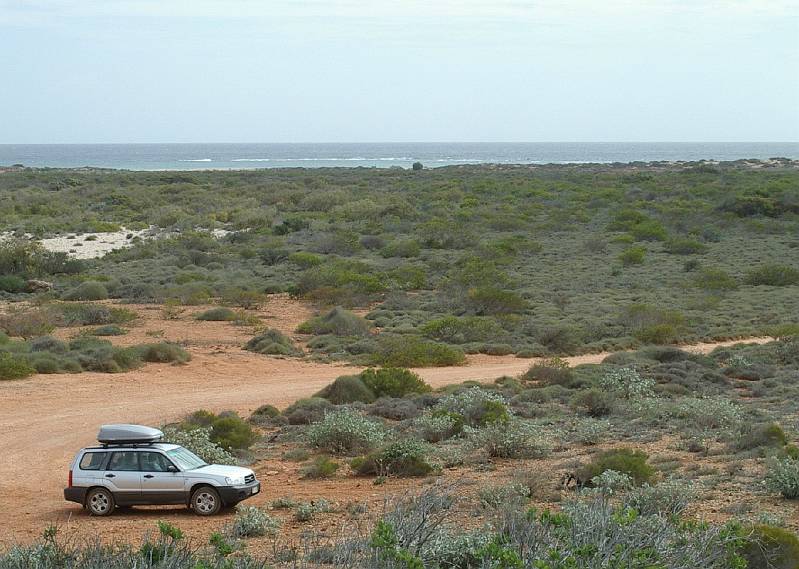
<point x="123" y="477"/>
<point x="159" y="485"/>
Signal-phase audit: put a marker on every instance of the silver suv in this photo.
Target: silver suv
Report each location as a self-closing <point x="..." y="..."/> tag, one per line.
<point x="132" y="467"/>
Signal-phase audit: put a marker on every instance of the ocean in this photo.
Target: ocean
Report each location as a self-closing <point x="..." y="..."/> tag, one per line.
<point x="375" y="155"/>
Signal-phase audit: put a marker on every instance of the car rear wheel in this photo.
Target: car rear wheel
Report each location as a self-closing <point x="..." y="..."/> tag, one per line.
<point x="100" y="502"/>
<point x="205" y="501"/>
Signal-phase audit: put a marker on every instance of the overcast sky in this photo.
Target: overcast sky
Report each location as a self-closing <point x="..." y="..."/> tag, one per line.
<point x="403" y="70"/>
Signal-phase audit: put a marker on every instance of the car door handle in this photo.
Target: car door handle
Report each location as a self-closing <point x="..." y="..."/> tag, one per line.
<point x="149" y="476"/>
<point x="110" y="475"/>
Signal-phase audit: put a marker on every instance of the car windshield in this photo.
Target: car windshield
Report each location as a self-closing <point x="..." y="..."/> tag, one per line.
<point x="185" y="459"/>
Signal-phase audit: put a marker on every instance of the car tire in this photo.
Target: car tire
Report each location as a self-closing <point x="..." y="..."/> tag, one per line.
<point x="100" y="502"/>
<point x="205" y="501"/>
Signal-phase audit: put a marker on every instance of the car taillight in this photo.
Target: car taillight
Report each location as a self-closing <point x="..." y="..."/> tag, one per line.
<point x="69" y="480"/>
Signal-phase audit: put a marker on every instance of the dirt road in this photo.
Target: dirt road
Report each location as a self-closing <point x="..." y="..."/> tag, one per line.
<point x="45" y="419"/>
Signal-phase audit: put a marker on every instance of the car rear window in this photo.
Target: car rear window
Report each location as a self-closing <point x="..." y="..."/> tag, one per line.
<point x="92" y="460"/>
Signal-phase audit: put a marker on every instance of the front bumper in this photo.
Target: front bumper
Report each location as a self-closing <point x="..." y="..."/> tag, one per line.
<point x="75" y="494"/>
<point x="231" y="494"/>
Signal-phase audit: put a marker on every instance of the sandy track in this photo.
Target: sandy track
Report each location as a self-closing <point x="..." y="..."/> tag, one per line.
<point x="44" y="420"/>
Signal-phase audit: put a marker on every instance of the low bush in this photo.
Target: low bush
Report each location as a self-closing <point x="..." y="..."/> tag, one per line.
<point x="272" y="342"/>
<point x="627" y="461"/>
<point x="402" y="248"/>
<point x="762" y="435"/>
<point x="227" y="429"/>
<point x="305" y="260"/>
<point x="12" y="284"/>
<point x="92" y="314"/>
<point x="307" y="411"/>
<point x="715" y="280"/>
<point x="513" y="439"/>
<point x="773" y="275"/>
<point x="347" y="389"/>
<point x="627" y="383"/>
<point x="14" y="367"/>
<point x="162" y="353"/>
<point x="265" y="414"/>
<point x="455" y="330"/>
<point x="27" y="322"/>
<point x="344" y="431"/>
<point x="406" y="457"/>
<point x="393" y="382"/>
<point x="412" y="351"/>
<point x="684" y="246"/>
<point x="553" y="371"/>
<point x="437" y="426"/>
<point x="108" y="330"/>
<point x="220" y="314"/>
<point x="394" y="408"/>
<point x="594" y="402"/>
<point x="251" y="521"/>
<point x="669" y="498"/>
<point x="782" y="476"/>
<point x="198" y="440"/>
<point x="339" y="322"/>
<point x="632" y="256"/>
<point x="87" y="290"/>
<point x="771" y="547"/>
<point x="488" y="300"/>
<point x="321" y="467"/>
<point x="477" y="407"/>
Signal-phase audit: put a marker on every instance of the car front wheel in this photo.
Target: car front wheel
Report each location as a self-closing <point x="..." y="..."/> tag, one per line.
<point x="205" y="501"/>
<point x="100" y="502"/>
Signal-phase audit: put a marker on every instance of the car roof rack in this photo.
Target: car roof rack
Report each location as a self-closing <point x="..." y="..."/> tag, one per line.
<point x="128" y="435"/>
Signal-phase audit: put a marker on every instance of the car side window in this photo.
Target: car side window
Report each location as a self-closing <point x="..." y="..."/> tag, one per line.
<point x="92" y="460"/>
<point x="154" y="462"/>
<point x="124" y="460"/>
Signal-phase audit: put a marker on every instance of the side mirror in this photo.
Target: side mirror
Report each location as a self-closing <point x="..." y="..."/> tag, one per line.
<point x="172" y="468"/>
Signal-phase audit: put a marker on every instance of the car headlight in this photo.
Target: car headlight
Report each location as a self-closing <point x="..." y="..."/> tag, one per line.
<point x="234" y="481"/>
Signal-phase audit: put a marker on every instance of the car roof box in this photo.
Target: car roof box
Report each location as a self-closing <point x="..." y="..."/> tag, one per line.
<point x="128" y="434"/>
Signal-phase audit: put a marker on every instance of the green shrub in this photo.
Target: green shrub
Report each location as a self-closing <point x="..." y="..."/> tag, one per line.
<point x="345" y="431"/>
<point x="272" y="342"/>
<point x="402" y="248"/>
<point x="553" y="371"/>
<point x="631" y="462"/>
<point x="87" y="290"/>
<point x="670" y="497"/>
<point x="632" y="256"/>
<point x="627" y="383"/>
<point x="782" y="476"/>
<point x="265" y="414"/>
<point x="251" y="521"/>
<point x="715" y="280"/>
<point x="230" y="431"/>
<point x="307" y="411"/>
<point x="513" y="439"/>
<point x="165" y="352"/>
<point x="438" y="425"/>
<point x="594" y="402"/>
<point x="220" y="314"/>
<point x="47" y="344"/>
<point x="305" y="260"/>
<point x="393" y="382"/>
<point x="338" y="321"/>
<point x="347" y="389"/>
<point x="773" y="275"/>
<point x="684" y="246"/>
<point x="198" y="440"/>
<point x="412" y="351"/>
<point x="771" y="547"/>
<point x="12" y="284"/>
<point x="455" y="330"/>
<point x="477" y="407"/>
<point x="762" y="435"/>
<point x="27" y="322"/>
<point x="649" y="230"/>
<point x="486" y="300"/>
<point x="321" y="467"/>
<point x="14" y="367"/>
<point x="244" y="298"/>
<point x="560" y="339"/>
<point x="406" y="457"/>
<point x="93" y="314"/>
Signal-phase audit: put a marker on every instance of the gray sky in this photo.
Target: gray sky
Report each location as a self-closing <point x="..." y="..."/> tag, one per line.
<point x="403" y="70"/>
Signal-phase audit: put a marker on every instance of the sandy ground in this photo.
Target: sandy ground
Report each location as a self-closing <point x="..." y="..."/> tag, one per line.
<point x="45" y="419"/>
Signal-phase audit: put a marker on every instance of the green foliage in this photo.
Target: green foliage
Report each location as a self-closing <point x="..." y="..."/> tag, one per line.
<point x="763" y="435"/>
<point x="406" y="457"/>
<point x="393" y="382"/>
<point x="553" y="371"/>
<point x="513" y="439"/>
<point x="684" y="246"/>
<point x="631" y="462"/>
<point x="227" y="430"/>
<point x="108" y="330"/>
<point x="716" y="280"/>
<point x="476" y="407"/>
<point x="272" y="342"/>
<point x="321" y="467"/>
<point x="344" y="431"/>
<point x="632" y="256"/>
<point x="782" y="477"/>
<point x="162" y="353"/>
<point x="14" y="367"/>
<point x="773" y="275"/>
<point x="594" y="402"/>
<point x="12" y="283"/>
<point x="305" y="260"/>
<point x="220" y="314"/>
<point x="347" y="389"/>
<point x="455" y="330"/>
<point x="412" y="351"/>
<point x="251" y="521"/>
<point x="92" y="314"/>
<point x="198" y="440"/>
<point x="87" y="290"/>
<point x="402" y="248"/>
<point x="338" y="321"/>
<point x="307" y="411"/>
<point x="27" y="322"/>
<point x="771" y="547"/>
<point x="487" y="300"/>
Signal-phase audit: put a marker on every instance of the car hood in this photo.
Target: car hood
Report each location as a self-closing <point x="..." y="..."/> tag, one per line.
<point x="222" y="470"/>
